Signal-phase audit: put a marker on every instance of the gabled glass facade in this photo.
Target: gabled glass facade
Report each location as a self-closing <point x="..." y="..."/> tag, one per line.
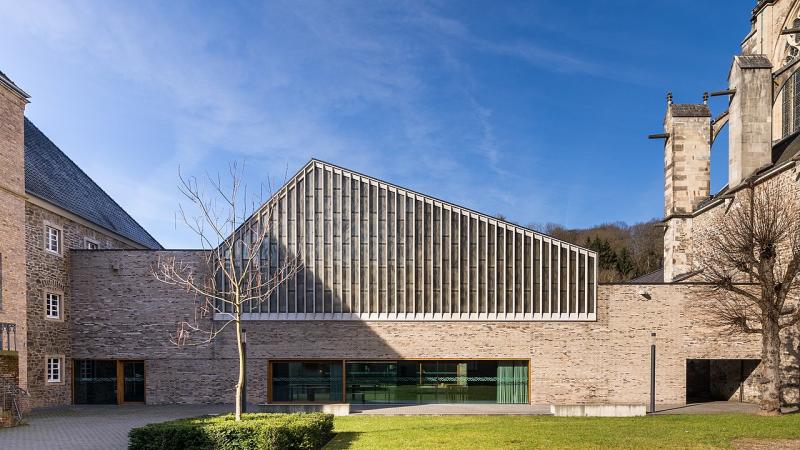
<point x="372" y="251"/>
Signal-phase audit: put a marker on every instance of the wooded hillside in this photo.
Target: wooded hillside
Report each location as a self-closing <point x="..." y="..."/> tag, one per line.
<point x="624" y="251"/>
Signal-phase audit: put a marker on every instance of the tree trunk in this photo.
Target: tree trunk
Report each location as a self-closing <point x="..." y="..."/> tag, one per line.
<point x="771" y="367"/>
<point x="240" y="382"/>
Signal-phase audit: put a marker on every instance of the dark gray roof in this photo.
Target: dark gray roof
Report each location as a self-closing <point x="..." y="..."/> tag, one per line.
<point x="53" y="177"/>
<point x="4" y="80"/>
<point x="656" y="276"/>
<point x="686" y="110"/>
<point x="753" y="62"/>
<point x="685" y="276"/>
<point x="786" y="148"/>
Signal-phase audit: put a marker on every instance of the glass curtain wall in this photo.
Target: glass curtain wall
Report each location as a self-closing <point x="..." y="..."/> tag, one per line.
<point x="437" y="381"/>
<point x="410" y="382"/>
<point x="307" y="381"/>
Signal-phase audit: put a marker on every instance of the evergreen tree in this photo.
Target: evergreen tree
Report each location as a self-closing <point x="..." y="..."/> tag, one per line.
<point x="624" y="263"/>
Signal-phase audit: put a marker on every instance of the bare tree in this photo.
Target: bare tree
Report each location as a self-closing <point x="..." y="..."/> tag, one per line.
<point x="751" y="260"/>
<point x="238" y="272"/>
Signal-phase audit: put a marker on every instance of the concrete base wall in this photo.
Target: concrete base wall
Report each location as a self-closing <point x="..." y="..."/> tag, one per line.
<point x="598" y="410"/>
<point x="337" y="409"/>
<point x="128" y="315"/>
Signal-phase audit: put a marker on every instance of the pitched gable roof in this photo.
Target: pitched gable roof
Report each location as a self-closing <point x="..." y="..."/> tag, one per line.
<point x="51" y="176"/>
<point x="326" y="166"/>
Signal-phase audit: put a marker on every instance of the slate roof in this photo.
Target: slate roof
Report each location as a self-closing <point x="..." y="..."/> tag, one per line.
<point x="786" y="148"/>
<point x="53" y="177"/>
<point x="656" y="276"/>
<point x="688" y="110"/>
<point x="753" y="62"/>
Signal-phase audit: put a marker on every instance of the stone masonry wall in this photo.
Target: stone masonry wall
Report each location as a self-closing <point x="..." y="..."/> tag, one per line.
<point x="48" y="272"/>
<point x="127" y="314"/>
<point x="707" y="223"/>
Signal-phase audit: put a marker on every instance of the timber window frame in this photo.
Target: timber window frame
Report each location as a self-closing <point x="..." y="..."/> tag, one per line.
<point x="53" y="239"/>
<point x="90" y="244"/>
<point x="53" y="305"/>
<point x="54" y="369"/>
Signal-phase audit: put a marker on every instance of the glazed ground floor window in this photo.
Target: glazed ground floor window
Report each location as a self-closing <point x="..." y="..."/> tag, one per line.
<point x="400" y="381"/>
<point x="108" y="381"/>
<point x="307" y="381"/>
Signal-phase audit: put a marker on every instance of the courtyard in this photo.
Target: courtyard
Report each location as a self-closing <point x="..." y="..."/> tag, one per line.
<point x="712" y="425"/>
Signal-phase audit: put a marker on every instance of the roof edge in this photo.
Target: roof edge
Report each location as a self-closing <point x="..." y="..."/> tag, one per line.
<point x="10" y="85"/>
<point x="313" y="160"/>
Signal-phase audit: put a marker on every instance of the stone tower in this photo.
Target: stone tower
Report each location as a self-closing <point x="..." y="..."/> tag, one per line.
<point x="750" y="123"/>
<point x="13" y="270"/>
<point x="687" y="158"/>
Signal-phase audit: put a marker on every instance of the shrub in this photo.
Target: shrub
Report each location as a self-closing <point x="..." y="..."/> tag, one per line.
<point x="254" y="431"/>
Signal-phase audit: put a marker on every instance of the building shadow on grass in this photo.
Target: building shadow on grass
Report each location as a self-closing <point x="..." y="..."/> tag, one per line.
<point x="343" y="440"/>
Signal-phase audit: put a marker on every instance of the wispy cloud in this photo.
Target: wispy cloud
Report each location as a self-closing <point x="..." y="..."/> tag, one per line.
<point x="387" y="88"/>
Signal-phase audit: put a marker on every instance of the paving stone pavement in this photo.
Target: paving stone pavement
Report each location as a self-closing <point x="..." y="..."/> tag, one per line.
<point x="93" y="427"/>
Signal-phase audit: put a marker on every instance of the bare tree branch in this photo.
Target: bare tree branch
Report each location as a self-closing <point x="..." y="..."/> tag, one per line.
<point x="236" y="273"/>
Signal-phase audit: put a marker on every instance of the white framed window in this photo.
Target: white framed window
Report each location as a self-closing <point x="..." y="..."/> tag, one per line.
<point x="90" y="244"/>
<point x="52" y="305"/>
<point x="52" y="239"/>
<point x="55" y="366"/>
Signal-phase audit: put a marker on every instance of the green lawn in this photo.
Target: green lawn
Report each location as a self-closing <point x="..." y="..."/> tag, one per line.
<point x="506" y="432"/>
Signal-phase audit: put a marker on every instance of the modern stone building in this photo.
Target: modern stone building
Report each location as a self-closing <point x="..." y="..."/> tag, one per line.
<point x="401" y="297"/>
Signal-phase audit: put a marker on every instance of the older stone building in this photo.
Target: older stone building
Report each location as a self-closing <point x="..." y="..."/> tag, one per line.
<point x="50" y="207"/>
<point x="401" y="297"/>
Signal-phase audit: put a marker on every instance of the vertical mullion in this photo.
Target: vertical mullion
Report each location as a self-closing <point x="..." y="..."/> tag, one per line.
<point x="532" y="274"/>
<point x="496" y="257"/>
<point x="542" y="281"/>
<point x="569" y="305"/>
<point x="329" y="246"/>
<point x="336" y="201"/>
<point x="304" y="232"/>
<point x="486" y="265"/>
<point x="586" y="283"/>
<point x="468" y="271"/>
<point x="396" y="256"/>
<point x="356" y="181"/>
<point x="431" y="246"/>
<point x="504" y="272"/>
<point x="441" y="259"/>
<point x="558" y="279"/>
<point x="413" y="229"/>
<point x="283" y="228"/>
<point x="385" y="276"/>
<point x="458" y="258"/>
<point x="313" y="237"/>
<point x="513" y="271"/>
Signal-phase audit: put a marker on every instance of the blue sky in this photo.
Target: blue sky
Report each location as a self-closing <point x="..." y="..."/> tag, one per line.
<point x="536" y="110"/>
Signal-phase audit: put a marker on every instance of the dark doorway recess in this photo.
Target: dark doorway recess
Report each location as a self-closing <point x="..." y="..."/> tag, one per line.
<point x="719" y="379"/>
<point x="95" y="382"/>
<point x="108" y="382"/>
<point x="132" y="381"/>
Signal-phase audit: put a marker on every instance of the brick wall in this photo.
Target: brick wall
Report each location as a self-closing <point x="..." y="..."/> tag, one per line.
<point x="47" y="272"/>
<point x="12" y="219"/>
<point x="127" y="314"/>
<point x="9" y="366"/>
